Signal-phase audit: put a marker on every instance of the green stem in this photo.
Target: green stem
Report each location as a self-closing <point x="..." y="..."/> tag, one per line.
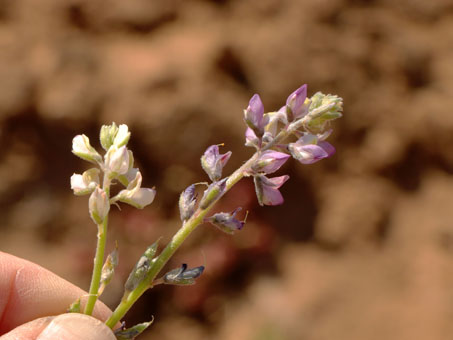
<point x="97" y="269"/>
<point x="178" y="239"/>
<point x="99" y="257"/>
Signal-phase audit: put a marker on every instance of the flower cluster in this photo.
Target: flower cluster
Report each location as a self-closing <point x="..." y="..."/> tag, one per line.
<point x="116" y="165"/>
<point x="306" y="119"/>
<point x="299" y="129"/>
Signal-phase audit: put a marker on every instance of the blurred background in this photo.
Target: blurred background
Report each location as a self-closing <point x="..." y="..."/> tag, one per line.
<point x="363" y="246"/>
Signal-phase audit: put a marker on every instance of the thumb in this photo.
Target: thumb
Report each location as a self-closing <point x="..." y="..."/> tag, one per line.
<point x="75" y="326"/>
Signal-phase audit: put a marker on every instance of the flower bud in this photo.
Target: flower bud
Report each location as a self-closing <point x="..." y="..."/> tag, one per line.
<point x="117" y="160"/>
<point x="141" y="268"/>
<point x="213" y="162"/>
<point x="187" y="202"/>
<point x="85" y="183"/>
<point x="213" y="191"/>
<point x="107" y="135"/>
<point x="114" y="135"/>
<point x="135" y="195"/>
<point x="183" y="276"/>
<point x="254" y="116"/>
<point x="226" y="222"/>
<point x="122" y="136"/>
<point x="267" y="189"/>
<point x="296" y="104"/>
<point x="269" y="162"/>
<point x="98" y="205"/>
<point x="82" y="148"/>
<point x="323" y="108"/>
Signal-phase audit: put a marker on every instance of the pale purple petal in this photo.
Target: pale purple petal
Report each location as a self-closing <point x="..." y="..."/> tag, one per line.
<point x="267" y="189"/>
<point x="251" y="139"/>
<point x="270" y="161"/>
<point x="296" y="101"/>
<point x="329" y="148"/>
<point x="272" y="196"/>
<point x="307" y="154"/>
<point x="254" y="112"/>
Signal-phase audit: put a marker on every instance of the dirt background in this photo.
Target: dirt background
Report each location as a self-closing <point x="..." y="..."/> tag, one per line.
<point x="363" y="247"/>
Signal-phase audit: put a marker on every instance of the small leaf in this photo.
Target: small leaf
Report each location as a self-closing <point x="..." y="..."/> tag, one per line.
<point x="74" y="307"/>
<point x="133" y="332"/>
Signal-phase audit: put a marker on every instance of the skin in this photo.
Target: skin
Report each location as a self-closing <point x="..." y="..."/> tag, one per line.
<point x="32" y="303"/>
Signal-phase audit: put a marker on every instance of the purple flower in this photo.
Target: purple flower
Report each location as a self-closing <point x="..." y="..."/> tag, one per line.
<point x="267" y="189"/>
<point x="295" y="104"/>
<point x="213" y="162"/>
<point x="226" y="221"/>
<point x="270" y="161"/>
<point x="254" y="115"/>
<point x="309" y="150"/>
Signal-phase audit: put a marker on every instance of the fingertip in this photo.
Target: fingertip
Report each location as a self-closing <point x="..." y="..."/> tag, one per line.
<point x="74" y="326"/>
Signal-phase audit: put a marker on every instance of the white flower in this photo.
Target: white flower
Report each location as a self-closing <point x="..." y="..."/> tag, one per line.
<point x="117" y="160"/>
<point x="122" y="136"/>
<point x="135" y="195"/>
<point x="98" y="205"/>
<point x="85" y="183"/>
<point x="82" y="148"/>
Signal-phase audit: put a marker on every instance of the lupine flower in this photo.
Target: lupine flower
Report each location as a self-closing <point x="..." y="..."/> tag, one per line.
<point x="269" y="162"/>
<point x="213" y="162"/>
<point x="117" y="160"/>
<point x="226" y="221"/>
<point x="308" y="149"/>
<point x="82" y="148"/>
<point x="187" y="202"/>
<point x="267" y="189"/>
<point x="254" y="115"/>
<point x="183" y="276"/>
<point x="295" y="104"/>
<point x="213" y="191"/>
<point x="135" y="195"/>
<point x="98" y="205"/>
<point x="85" y="183"/>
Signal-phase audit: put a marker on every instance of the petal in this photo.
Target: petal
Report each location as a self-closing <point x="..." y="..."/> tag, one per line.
<point x="270" y="161"/>
<point x="307" y="154"/>
<point x="272" y="196"/>
<point x="328" y="148"/>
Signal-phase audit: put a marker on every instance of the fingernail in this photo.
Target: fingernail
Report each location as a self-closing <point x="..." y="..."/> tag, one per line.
<point x="76" y="326"/>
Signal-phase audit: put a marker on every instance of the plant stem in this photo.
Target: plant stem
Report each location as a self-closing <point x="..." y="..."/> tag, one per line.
<point x="178" y="239"/>
<point x="197" y="218"/>
<point x="99" y="257"/>
<point x="97" y="269"/>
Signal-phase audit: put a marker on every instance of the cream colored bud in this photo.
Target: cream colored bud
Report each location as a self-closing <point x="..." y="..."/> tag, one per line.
<point x="98" y="205"/>
<point x="82" y="148"/>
